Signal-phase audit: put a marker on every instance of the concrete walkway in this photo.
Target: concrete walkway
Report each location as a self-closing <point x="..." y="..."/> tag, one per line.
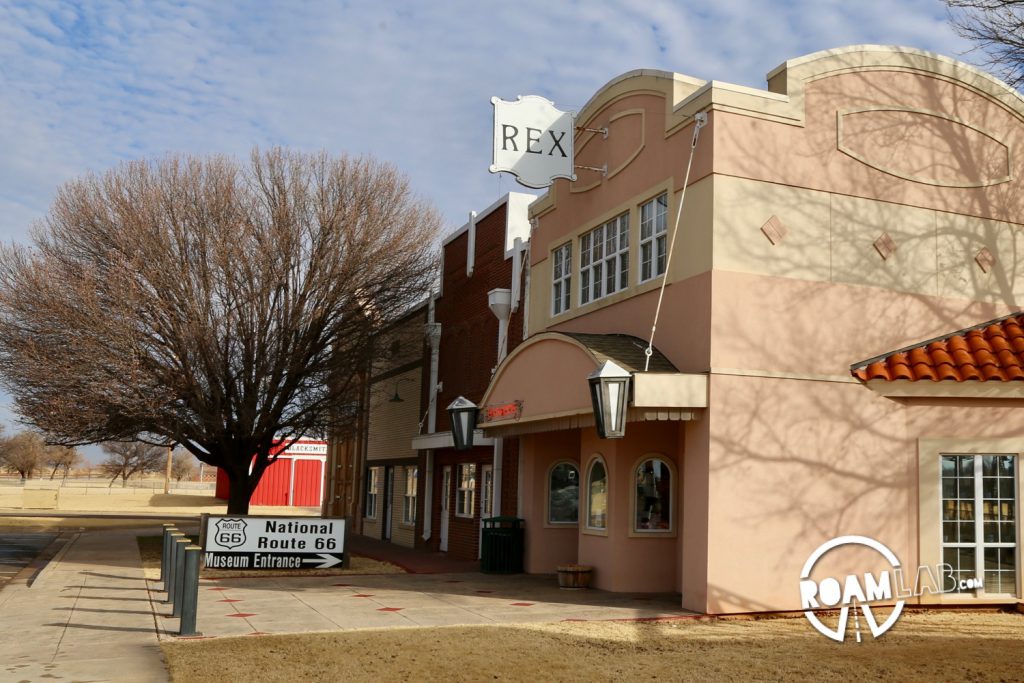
<point x="85" y="617"/>
<point x="90" y="614"/>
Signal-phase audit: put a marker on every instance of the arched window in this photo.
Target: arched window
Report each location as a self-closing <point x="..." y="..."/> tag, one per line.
<point x="597" y="496"/>
<point x="564" y="494"/>
<point x="653" y="506"/>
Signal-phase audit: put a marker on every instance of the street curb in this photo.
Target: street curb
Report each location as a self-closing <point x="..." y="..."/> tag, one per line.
<point x="51" y="554"/>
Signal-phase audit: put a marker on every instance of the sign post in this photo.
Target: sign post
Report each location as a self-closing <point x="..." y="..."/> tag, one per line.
<point x="243" y="542"/>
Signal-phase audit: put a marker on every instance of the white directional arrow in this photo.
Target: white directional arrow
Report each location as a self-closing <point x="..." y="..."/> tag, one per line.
<point x="326" y="561"/>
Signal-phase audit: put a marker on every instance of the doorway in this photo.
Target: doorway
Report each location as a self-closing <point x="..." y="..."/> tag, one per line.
<point x="446" y="493"/>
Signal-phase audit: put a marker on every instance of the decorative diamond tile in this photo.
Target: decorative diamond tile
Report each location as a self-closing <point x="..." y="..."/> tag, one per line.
<point x="229" y="600"/>
<point x="774" y="230"/>
<point x="523" y="604"/>
<point x="390" y="609"/>
<point x="362" y="595"/>
<point x="241" y="614"/>
<point x="985" y="259"/>
<point x="885" y="246"/>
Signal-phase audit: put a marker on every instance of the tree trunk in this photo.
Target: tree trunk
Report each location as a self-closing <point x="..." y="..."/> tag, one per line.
<point x="238" y="492"/>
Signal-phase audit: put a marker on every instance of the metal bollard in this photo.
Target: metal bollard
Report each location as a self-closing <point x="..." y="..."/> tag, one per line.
<point x="165" y="554"/>
<point x="190" y="592"/>
<point x="179" y="575"/>
<point x="172" y="566"/>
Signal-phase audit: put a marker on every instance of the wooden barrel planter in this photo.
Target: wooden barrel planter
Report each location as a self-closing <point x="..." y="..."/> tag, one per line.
<point x="574" y="577"/>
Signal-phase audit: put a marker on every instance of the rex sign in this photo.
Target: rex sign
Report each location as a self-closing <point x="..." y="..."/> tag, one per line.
<point x="243" y="542"/>
<point x="532" y="140"/>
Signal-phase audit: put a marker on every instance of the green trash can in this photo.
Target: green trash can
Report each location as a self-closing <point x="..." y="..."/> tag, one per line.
<point x="503" y="545"/>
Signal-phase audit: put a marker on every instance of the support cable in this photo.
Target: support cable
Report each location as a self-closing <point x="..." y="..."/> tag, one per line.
<point x="701" y="119"/>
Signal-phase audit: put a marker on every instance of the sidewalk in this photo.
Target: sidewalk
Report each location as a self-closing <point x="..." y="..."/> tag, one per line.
<point x="86" y="616"/>
<point x="90" y="614"/>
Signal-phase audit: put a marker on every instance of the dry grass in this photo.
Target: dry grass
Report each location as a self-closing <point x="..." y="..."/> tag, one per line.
<point x="922" y="646"/>
<point x="151" y="548"/>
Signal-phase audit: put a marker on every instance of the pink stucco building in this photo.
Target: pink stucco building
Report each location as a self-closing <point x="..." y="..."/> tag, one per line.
<point x="868" y="200"/>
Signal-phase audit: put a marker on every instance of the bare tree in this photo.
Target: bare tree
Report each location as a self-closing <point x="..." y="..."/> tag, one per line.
<point x="125" y="460"/>
<point x="214" y="305"/>
<point x="61" y="458"/>
<point x="23" y="453"/>
<point x="183" y="466"/>
<point x="996" y="27"/>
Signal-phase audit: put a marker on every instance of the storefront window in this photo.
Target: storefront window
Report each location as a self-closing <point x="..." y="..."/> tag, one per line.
<point x="372" y="489"/>
<point x="653" y="496"/>
<point x="564" y="494"/>
<point x="465" y="496"/>
<point x="597" y="496"/>
<point x="980" y="545"/>
<point x="409" y="499"/>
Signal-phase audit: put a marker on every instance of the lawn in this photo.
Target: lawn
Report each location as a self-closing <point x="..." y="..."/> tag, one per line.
<point x="924" y="646"/>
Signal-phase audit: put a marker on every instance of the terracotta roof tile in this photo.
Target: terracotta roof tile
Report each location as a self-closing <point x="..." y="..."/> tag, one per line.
<point x="989" y="352"/>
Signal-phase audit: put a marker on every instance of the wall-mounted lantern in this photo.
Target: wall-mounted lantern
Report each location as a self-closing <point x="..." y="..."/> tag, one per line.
<point x="462" y="414"/>
<point x="609" y="392"/>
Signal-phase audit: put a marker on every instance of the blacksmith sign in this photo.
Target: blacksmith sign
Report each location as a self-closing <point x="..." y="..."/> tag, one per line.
<point x="243" y="542"/>
<point x="532" y="140"/>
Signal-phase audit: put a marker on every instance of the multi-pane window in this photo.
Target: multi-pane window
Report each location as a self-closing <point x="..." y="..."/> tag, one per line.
<point x="597" y="496"/>
<point x="604" y="259"/>
<point x="979" y="532"/>
<point x="652" y="237"/>
<point x="564" y="494"/>
<point x="372" y="490"/>
<point x="561" y="278"/>
<point x="653" y="496"/>
<point x="465" y="494"/>
<point x="409" y="499"/>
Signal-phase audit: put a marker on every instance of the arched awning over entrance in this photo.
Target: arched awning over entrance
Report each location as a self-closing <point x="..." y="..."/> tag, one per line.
<point x="542" y="385"/>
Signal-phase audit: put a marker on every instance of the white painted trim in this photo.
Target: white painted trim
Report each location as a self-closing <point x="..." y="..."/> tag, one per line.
<point x="903" y="388"/>
<point x="444" y="440"/>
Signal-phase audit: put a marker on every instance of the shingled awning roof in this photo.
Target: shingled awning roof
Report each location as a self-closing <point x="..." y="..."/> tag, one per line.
<point x="624" y="350"/>
<point x="992" y="351"/>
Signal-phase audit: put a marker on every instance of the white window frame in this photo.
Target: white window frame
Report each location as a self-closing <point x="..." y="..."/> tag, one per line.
<point x="561" y="278"/>
<point x="653" y="238"/>
<point x="604" y="259"/>
<point x="635" y="493"/>
<point x="579" y="490"/>
<point x="409" y="498"/>
<point x="486" y="491"/>
<point x="465" y="495"/>
<point x="587" y="527"/>
<point x="979" y="545"/>
<point x="372" y="486"/>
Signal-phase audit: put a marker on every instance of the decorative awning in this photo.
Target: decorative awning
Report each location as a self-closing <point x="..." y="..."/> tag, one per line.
<point x="983" y="361"/>
<point x="542" y="385"/>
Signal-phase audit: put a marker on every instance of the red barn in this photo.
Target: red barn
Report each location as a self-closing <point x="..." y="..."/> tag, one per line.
<point x="295" y="478"/>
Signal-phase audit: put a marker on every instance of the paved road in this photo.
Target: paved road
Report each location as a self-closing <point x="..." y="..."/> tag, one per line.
<point x="19" y="547"/>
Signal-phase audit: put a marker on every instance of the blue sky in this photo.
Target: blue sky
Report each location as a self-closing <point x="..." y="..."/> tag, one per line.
<point x="85" y="85"/>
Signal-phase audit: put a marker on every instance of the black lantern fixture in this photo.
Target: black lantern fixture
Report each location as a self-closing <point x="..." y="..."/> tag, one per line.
<point x="462" y="414"/>
<point x="609" y="392"/>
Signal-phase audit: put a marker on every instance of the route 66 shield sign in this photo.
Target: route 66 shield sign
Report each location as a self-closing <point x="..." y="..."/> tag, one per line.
<point x="230" y="533"/>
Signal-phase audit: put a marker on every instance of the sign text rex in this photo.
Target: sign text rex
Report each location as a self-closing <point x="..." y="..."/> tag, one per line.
<point x="532" y="140"/>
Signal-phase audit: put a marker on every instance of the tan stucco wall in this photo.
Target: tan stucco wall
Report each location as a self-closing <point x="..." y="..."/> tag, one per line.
<point x="546" y="546"/>
<point x="393" y="425"/>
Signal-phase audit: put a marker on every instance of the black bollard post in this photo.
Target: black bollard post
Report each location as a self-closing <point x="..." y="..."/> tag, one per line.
<point x="190" y="592"/>
<point x="172" y="566"/>
<point x="179" y="575"/>
<point x="165" y="554"/>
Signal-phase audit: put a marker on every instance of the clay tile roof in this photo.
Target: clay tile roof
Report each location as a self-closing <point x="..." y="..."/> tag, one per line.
<point x="992" y="351"/>
<point x="624" y="350"/>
